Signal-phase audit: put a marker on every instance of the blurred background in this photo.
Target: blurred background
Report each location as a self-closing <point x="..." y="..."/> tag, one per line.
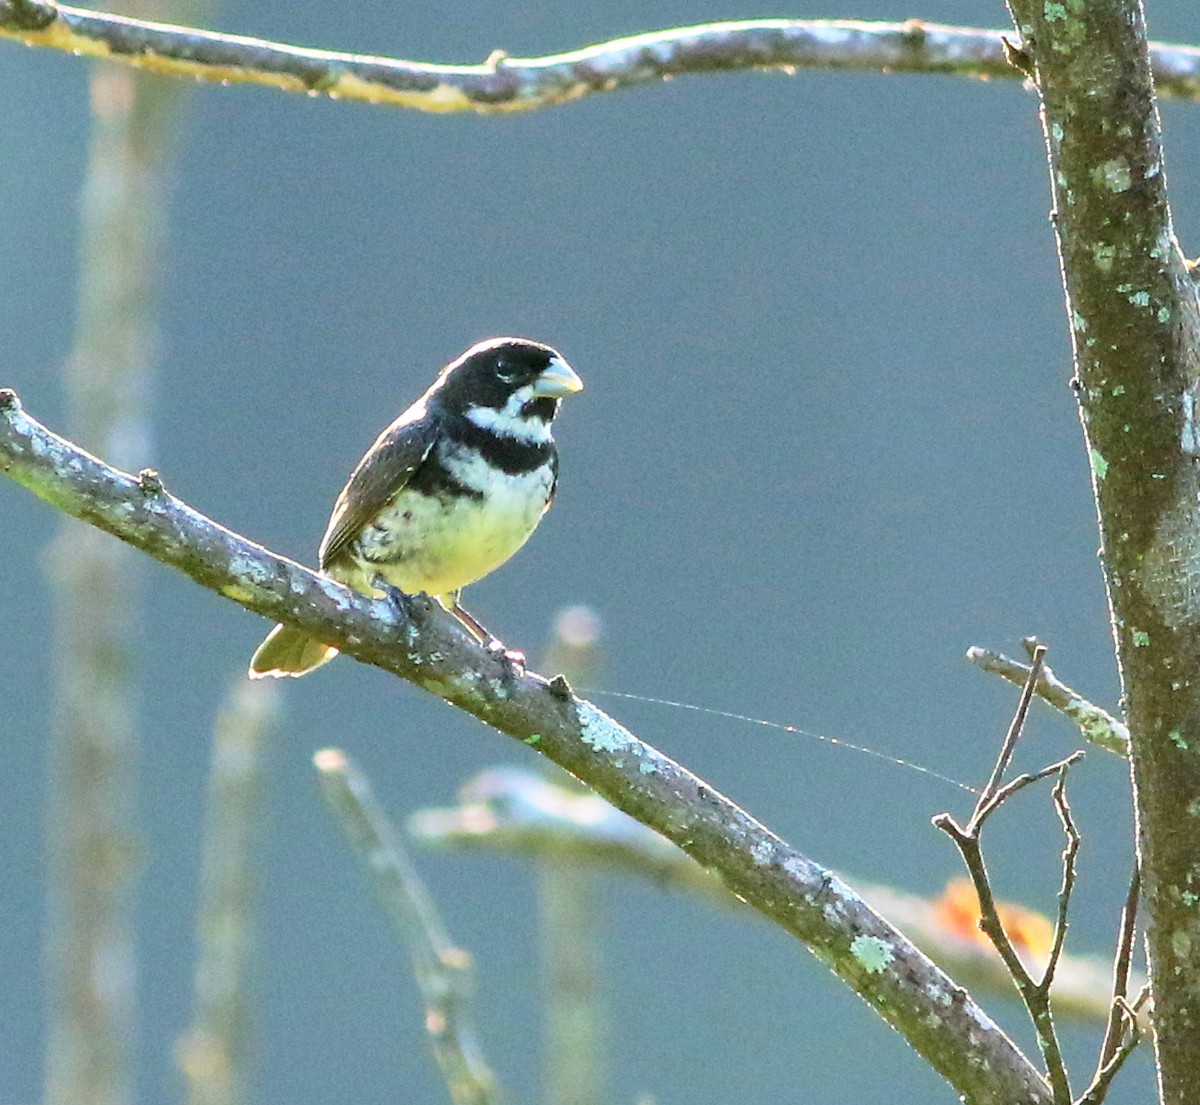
<point x="827" y="443"/>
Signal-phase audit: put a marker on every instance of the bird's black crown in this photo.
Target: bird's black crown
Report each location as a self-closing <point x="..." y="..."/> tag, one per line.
<point x="488" y="373"/>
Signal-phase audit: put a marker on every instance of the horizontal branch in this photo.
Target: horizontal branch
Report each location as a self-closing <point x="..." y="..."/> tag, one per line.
<point x="504" y="83"/>
<point x="938" y="1018"/>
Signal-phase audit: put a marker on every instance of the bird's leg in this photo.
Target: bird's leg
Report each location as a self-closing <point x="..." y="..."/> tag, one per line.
<point x="510" y="657"/>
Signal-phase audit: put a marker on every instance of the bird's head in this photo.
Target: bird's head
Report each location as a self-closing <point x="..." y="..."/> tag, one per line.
<point x="519" y="380"/>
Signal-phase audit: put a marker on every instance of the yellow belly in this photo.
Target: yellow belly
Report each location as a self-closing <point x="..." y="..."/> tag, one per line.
<point x="437" y="545"/>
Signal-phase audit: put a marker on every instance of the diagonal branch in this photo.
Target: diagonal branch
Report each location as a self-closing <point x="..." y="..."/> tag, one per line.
<point x="1095" y="723"/>
<point x="937" y="1017"/>
<point x="503" y="84"/>
<point x="444" y="972"/>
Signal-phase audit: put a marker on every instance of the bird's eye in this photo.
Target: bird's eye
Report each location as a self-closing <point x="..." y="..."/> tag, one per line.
<point x="507" y="371"/>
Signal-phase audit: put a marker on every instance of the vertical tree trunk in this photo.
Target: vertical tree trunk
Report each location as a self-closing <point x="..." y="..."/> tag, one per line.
<point x="1134" y="323"/>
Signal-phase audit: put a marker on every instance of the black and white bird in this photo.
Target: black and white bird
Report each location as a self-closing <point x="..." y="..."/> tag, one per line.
<point x="448" y="492"/>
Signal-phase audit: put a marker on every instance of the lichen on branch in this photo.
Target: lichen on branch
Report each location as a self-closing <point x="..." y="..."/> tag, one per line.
<point x="937" y="1017"/>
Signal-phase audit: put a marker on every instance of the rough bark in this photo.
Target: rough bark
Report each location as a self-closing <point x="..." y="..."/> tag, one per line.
<point x="1134" y="324"/>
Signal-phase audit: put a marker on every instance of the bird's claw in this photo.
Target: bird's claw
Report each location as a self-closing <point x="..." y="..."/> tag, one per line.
<point x="512" y="659"/>
<point x="398" y="599"/>
<point x="412" y="608"/>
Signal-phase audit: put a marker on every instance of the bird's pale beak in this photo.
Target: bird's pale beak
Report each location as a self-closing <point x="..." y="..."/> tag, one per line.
<point x="556" y="380"/>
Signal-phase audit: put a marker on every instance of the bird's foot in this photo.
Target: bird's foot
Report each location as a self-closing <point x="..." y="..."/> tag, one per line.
<point x="512" y="659"/>
<point x="412" y="608"/>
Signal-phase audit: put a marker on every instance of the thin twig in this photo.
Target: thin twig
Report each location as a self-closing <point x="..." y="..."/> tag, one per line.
<point x="505" y="84"/>
<point x="1095" y="724"/>
<point x="213" y="1053"/>
<point x="1070" y="853"/>
<point x="1123" y="1031"/>
<point x="1130" y="1037"/>
<point x="944" y="1024"/>
<point x="1036" y="1001"/>
<point x="1022" y="781"/>
<point x="987" y="798"/>
<point x="442" y="970"/>
<point x="968" y="845"/>
<point x="1034" y="993"/>
<point x="1122" y="963"/>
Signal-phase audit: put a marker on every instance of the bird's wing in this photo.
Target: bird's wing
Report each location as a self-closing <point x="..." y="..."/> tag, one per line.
<point x="385" y="469"/>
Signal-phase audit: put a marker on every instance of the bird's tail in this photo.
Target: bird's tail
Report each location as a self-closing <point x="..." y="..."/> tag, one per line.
<point x="288" y="651"/>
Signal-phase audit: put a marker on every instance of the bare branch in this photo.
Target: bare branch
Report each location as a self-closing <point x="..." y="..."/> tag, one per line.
<point x="1022" y="781"/>
<point x="1070" y="853"/>
<point x="1036" y="1000"/>
<point x="1034" y="993"/>
<point x="991" y="796"/>
<point x="442" y="970"/>
<point x="503" y="84"/>
<point x="1095" y="724"/>
<point x="938" y="1018"/>
<point x="1131" y="1037"/>
<point x="1122" y="1033"/>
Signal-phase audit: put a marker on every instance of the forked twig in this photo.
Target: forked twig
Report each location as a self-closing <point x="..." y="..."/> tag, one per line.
<point x="1123" y="1033"/>
<point x="1128" y="1014"/>
<point x="1010" y="788"/>
<point x="988" y="797"/>
<point x="1035" y="993"/>
<point x="1122" y="963"/>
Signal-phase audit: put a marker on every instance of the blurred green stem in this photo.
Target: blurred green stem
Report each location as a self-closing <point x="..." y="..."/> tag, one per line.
<point x="569" y="914"/>
<point x="214" y="1052"/>
<point x="92" y="838"/>
<point x="572" y="972"/>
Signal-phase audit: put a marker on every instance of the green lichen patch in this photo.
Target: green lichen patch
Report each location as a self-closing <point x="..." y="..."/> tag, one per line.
<point x="874" y="954"/>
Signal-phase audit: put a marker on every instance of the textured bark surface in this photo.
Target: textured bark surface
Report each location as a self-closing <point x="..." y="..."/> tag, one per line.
<point x="505" y="84"/>
<point x="1134" y="324"/>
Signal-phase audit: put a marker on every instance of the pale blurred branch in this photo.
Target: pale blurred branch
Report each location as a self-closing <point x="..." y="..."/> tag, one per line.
<point x="505" y="84"/>
<point x="575" y="1019"/>
<point x="213" y="1053"/>
<point x="442" y="970"/>
<point x="93" y="843"/>
<point x="424" y="646"/>
<point x="516" y="812"/>
<point x="570" y="918"/>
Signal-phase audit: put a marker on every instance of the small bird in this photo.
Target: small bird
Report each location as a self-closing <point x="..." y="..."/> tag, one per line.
<point x="448" y="492"/>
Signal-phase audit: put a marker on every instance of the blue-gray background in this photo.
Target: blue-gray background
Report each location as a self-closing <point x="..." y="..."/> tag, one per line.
<point x="827" y="443"/>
